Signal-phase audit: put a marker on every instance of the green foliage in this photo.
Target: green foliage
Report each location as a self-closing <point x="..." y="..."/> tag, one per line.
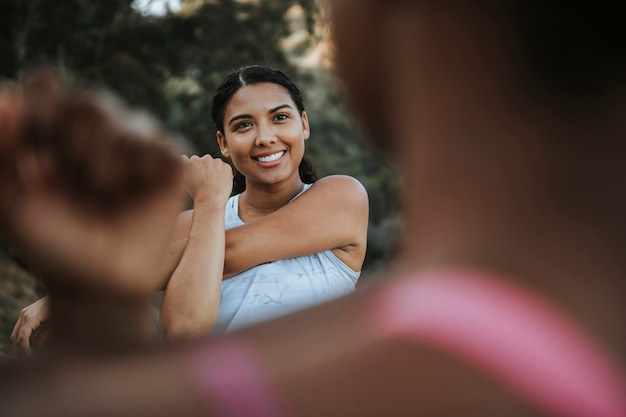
<point x="171" y="65"/>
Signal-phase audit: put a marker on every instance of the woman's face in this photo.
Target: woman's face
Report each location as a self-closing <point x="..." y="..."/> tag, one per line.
<point x="264" y="134"/>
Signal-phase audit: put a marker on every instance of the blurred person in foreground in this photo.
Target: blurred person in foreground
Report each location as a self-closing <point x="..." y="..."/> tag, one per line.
<point x="508" y="297"/>
<point x="82" y="207"/>
<point x="91" y="195"/>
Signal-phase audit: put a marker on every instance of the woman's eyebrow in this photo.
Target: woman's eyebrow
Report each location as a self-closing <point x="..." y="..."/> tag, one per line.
<point x="239" y="116"/>
<point x="282" y="106"/>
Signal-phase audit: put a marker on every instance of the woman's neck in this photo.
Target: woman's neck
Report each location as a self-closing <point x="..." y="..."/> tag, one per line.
<point x="259" y="201"/>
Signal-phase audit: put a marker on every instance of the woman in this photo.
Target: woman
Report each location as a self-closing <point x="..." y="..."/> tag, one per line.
<point x="508" y="300"/>
<point x="277" y="260"/>
<point x="280" y="255"/>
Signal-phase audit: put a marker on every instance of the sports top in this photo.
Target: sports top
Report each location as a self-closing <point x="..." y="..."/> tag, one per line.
<point x="280" y="287"/>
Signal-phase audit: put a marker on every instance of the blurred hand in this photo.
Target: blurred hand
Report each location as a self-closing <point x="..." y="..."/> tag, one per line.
<point x="30" y="319"/>
<point x="90" y="191"/>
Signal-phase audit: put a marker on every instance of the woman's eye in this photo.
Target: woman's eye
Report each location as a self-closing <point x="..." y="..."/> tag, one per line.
<point x="242" y="125"/>
<point x="281" y="116"/>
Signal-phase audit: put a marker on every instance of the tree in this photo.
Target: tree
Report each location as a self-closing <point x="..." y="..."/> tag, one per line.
<point x="171" y="65"/>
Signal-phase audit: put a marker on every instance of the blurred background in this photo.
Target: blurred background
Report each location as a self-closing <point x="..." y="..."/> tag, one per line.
<point x="168" y="56"/>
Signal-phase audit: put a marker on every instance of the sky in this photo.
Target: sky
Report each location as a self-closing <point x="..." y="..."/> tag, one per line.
<point x="156" y="7"/>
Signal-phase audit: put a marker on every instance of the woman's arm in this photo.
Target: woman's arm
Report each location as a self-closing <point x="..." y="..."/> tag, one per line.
<point x="30" y="318"/>
<point x="191" y="297"/>
<point x="331" y="215"/>
<point x="325" y="361"/>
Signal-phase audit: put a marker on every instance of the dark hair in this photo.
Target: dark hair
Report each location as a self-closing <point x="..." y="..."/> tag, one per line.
<point x="256" y="74"/>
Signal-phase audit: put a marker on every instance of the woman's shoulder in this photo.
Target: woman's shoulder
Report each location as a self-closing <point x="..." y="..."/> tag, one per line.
<point x="341" y="186"/>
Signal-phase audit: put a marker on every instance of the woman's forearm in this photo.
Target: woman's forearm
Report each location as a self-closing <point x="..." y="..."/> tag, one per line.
<point x="191" y="297"/>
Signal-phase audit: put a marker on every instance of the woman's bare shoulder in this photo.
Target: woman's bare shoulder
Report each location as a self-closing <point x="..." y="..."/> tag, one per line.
<point x="341" y="188"/>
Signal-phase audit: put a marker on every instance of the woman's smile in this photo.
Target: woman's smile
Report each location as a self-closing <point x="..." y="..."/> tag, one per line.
<point x="271" y="157"/>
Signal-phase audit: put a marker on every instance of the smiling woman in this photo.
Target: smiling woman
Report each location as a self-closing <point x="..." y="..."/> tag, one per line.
<point x="507" y="297"/>
<point x="278" y="252"/>
<point x="281" y="256"/>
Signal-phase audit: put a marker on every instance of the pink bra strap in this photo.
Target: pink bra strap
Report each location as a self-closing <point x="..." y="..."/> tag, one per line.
<point x="505" y="331"/>
<point x="232" y="379"/>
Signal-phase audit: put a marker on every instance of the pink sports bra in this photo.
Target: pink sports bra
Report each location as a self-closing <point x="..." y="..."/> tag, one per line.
<point x="522" y="341"/>
<point x="508" y="333"/>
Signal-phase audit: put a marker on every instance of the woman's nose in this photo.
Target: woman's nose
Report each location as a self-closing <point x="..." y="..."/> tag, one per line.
<point x="265" y="135"/>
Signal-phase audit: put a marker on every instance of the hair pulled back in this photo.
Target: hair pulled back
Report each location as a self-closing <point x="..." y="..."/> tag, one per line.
<point x="250" y="75"/>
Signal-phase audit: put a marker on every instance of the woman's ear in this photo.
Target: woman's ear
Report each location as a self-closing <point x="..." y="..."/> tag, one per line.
<point x="221" y="140"/>
<point x="305" y="125"/>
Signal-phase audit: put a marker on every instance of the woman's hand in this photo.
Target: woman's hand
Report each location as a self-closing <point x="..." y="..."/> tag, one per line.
<point x="208" y="179"/>
<point x="31" y="317"/>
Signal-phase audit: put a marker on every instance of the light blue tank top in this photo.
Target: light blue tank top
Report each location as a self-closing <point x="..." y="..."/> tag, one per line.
<point x="280" y="287"/>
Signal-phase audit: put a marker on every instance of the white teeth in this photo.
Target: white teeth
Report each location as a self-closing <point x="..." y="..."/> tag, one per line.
<point x="271" y="158"/>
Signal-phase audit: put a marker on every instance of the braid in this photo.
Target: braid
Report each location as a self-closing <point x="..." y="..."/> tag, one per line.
<point x="239" y="182"/>
<point x="307" y="170"/>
